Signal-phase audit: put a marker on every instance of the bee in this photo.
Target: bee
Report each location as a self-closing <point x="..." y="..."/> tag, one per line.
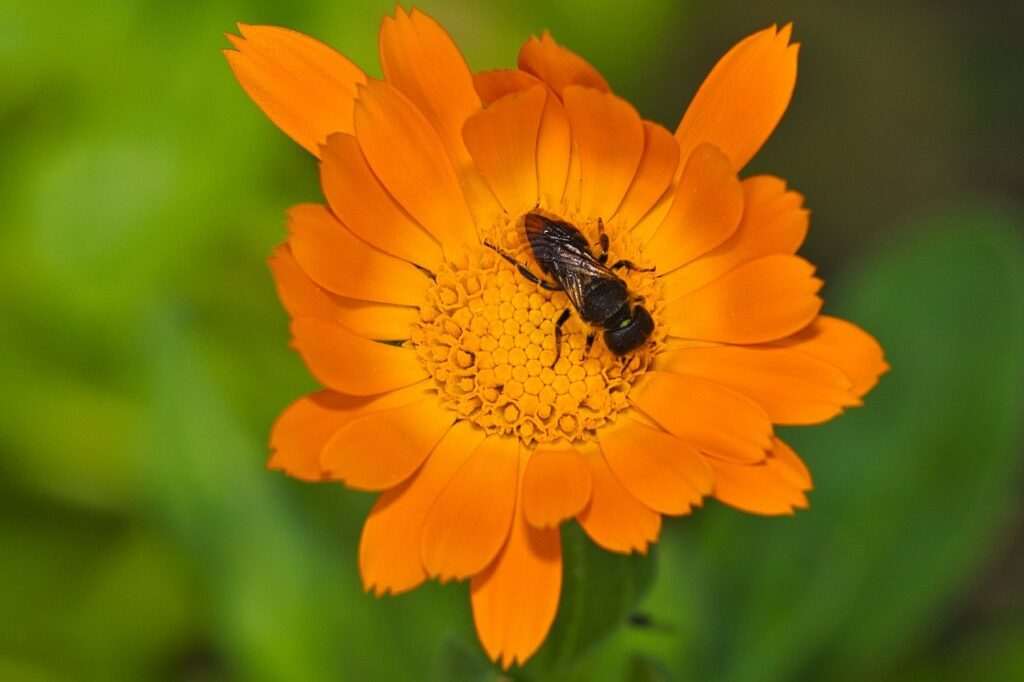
<point x="599" y="296"/>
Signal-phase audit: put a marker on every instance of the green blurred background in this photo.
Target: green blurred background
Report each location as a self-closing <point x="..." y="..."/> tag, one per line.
<point x="143" y="357"/>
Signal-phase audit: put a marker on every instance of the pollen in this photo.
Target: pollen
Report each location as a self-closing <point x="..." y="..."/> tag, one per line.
<point x="486" y="335"/>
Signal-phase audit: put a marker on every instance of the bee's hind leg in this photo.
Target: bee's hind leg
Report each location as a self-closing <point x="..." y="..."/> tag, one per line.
<point x="566" y="314"/>
<point x="602" y="239"/>
<point x="629" y="265"/>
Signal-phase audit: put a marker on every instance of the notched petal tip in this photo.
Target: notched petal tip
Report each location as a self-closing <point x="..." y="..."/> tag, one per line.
<point x="301" y="84"/>
<point x="743" y="97"/>
<point x="775" y="487"/>
<point x="557" y="65"/>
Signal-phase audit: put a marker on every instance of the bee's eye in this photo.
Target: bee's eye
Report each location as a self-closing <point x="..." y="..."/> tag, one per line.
<point x="625" y="323"/>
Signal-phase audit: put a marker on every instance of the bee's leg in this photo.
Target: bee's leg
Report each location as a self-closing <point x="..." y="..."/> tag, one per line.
<point x="590" y="343"/>
<point x="558" y="333"/>
<point x="523" y="270"/>
<point x="630" y="265"/>
<point x="602" y="239"/>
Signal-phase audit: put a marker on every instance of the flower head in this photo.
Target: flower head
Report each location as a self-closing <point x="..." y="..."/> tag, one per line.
<point x="462" y="382"/>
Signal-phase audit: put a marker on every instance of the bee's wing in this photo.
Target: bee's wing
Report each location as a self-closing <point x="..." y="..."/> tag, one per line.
<point x="574" y="270"/>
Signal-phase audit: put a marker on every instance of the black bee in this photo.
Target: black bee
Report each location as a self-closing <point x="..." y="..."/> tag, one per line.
<point x="595" y="291"/>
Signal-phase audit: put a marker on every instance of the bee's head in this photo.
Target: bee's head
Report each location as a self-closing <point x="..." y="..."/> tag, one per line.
<point x="631" y="333"/>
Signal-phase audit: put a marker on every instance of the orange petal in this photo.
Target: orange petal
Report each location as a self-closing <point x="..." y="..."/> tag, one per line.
<point x="774" y="486"/>
<point x="651" y="222"/>
<point x="421" y="60"/>
<point x="790" y="466"/>
<point x="303" y="298"/>
<point x="774" y="221"/>
<point x="708" y="416"/>
<point x="470" y="520"/>
<point x="609" y="137"/>
<point x="653" y="176"/>
<point x="303" y="429"/>
<point x="379" y="450"/>
<point x="307" y="89"/>
<point x="389" y="549"/>
<point x="338" y="260"/>
<point x="706" y="210"/>
<point x="554" y="146"/>
<point x="502" y="140"/>
<point x="377" y="321"/>
<point x="558" y="66"/>
<point x="844" y="345"/>
<point x="516" y="598"/>
<point x="762" y="300"/>
<point x="657" y="468"/>
<point x="299" y="294"/>
<point x="793" y="388"/>
<point x="556" y="485"/>
<point x="615" y="519"/>
<point x="493" y="85"/>
<point x="742" y="99"/>
<point x="363" y="205"/>
<point x="350" y="363"/>
<point x="407" y="156"/>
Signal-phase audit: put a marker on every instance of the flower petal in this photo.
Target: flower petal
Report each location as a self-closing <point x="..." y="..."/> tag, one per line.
<point x="774" y="221"/>
<point x="706" y="210"/>
<point x="516" y="598"/>
<point x="421" y="60"/>
<point x="609" y="137"/>
<point x="761" y="300"/>
<point x="306" y="425"/>
<point x="743" y="98"/>
<point x="793" y="388"/>
<point x="554" y="148"/>
<point x="379" y="450"/>
<point x="654" y="174"/>
<point x="558" y="66"/>
<point x="389" y="549"/>
<point x="791" y="467"/>
<point x="338" y="260"/>
<point x="708" y="416"/>
<point x="554" y="139"/>
<point x="493" y="85"/>
<point x="615" y="519"/>
<point x="350" y="363"/>
<point x="470" y="520"/>
<point x="657" y="468"/>
<point x="364" y="206"/>
<point x="651" y="222"/>
<point x="502" y="140"/>
<point x="303" y="298"/>
<point x="774" y="486"/>
<point x="376" y="321"/>
<point x="556" y="485"/>
<point x="407" y="156"/>
<point x="307" y="89"/>
<point x="300" y="432"/>
<point x="844" y="345"/>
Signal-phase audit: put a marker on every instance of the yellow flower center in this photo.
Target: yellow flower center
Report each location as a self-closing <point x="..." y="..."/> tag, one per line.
<point x="487" y="336"/>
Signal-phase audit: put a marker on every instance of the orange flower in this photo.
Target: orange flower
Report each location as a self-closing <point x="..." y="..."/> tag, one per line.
<point x="446" y="390"/>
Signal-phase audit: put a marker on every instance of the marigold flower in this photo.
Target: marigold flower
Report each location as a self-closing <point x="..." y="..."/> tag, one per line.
<point x="445" y="389"/>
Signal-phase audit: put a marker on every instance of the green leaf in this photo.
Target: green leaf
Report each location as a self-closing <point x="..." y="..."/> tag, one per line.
<point x="599" y="591"/>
